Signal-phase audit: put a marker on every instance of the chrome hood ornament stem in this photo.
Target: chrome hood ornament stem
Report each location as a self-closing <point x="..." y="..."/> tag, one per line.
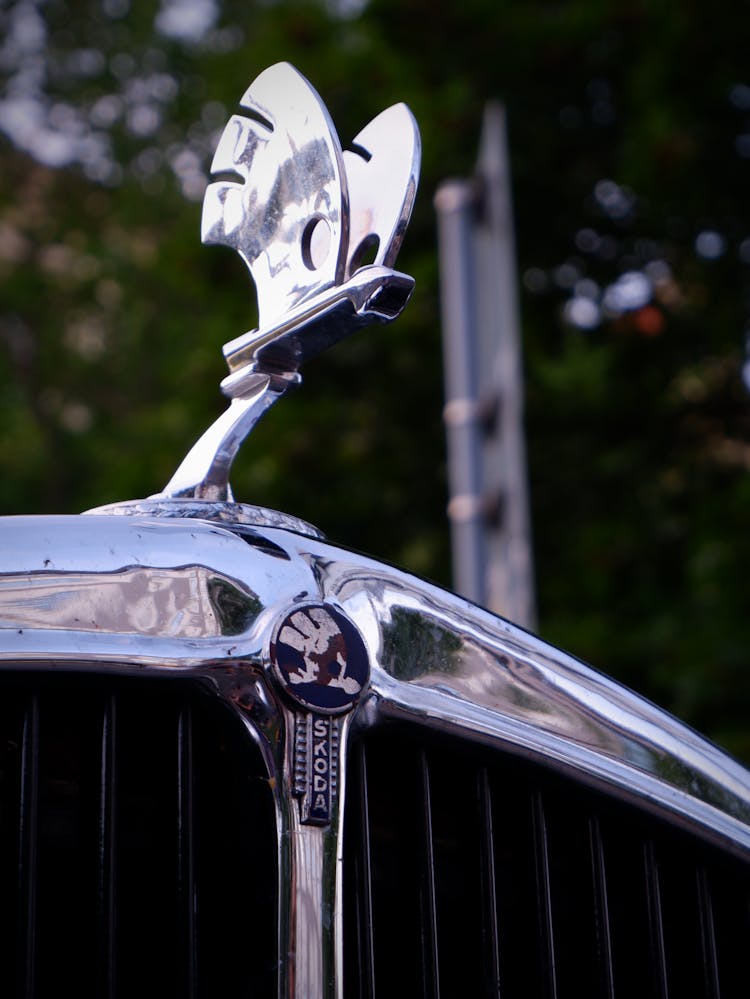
<point x="303" y="214"/>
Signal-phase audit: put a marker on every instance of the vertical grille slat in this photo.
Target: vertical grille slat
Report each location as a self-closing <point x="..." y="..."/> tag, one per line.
<point x="395" y="858"/>
<point x="543" y="888"/>
<point x="106" y="871"/>
<point x="431" y="977"/>
<point x="147" y="845"/>
<point x="574" y="903"/>
<point x="544" y="896"/>
<point x="363" y="875"/>
<point x="656" y="921"/>
<point x="601" y="909"/>
<point x="185" y="853"/>
<point x="28" y="840"/>
<point x="488" y="875"/>
<point x="519" y="942"/>
<point x="708" y="935"/>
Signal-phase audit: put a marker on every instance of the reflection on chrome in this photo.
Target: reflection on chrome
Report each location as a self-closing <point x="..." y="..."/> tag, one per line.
<point x="189" y="602"/>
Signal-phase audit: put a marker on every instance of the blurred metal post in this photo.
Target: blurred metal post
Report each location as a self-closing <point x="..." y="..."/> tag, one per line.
<point x="455" y="202"/>
<point x="488" y="508"/>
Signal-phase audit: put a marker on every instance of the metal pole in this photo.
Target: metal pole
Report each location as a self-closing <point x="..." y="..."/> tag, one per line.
<point x="510" y="583"/>
<point x="488" y="508"/>
<point x="455" y="205"/>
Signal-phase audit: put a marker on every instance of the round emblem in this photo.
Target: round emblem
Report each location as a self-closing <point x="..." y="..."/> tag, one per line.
<point x="320" y="658"/>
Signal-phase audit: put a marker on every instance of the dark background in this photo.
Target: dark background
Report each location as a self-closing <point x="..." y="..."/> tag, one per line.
<point x="629" y="130"/>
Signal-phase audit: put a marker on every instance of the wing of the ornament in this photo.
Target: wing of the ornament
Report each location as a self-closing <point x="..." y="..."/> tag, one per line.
<point x="382" y="171"/>
<point x="281" y="200"/>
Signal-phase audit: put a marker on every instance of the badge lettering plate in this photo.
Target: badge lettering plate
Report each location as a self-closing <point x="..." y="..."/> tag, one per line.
<point x="316" y="755"/>
<point x="321" y="662"/>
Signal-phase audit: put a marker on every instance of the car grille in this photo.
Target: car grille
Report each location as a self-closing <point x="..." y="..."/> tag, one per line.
<point x="137" y="842"/>
<point x="473" y="873"/>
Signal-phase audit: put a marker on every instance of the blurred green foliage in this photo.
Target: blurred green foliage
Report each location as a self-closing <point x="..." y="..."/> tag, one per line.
<point x="630" y="141"/>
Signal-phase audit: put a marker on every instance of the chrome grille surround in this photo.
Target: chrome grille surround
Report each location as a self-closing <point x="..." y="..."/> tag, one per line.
<point x="158" y="598"/>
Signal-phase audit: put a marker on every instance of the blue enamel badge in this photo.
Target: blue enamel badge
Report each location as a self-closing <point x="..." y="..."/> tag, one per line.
<point x="320" y="658"/>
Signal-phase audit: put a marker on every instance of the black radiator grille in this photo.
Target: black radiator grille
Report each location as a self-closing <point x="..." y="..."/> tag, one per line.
<point x="470" y="873"/>
<point x="137" y="842"/>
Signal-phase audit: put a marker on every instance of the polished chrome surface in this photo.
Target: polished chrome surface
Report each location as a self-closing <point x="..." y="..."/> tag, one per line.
<point x="208" y="598"/>
<point x="286" y="213"/>
<point x="382" y="170"/>
<point x="319" y="230"/>
<point x="204" y="472"/>
<point x="234" y="515"/>
<point x="310" y="892"/>
<point x="373" y="294"/>
<point x="186" y="596"/>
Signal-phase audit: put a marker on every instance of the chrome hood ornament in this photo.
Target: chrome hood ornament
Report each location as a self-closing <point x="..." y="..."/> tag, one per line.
<point x="304" y="215"/>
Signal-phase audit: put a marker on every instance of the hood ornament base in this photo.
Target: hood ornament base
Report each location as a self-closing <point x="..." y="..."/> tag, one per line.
<point x="235" y="516"/>
<point x="303" y="215"/>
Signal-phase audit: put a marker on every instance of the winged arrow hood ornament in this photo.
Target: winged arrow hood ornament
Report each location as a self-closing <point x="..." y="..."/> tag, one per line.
<point x="303" y="214"/>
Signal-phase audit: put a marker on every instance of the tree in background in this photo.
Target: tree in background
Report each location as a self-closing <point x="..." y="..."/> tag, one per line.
<point x="630" y="140"/>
